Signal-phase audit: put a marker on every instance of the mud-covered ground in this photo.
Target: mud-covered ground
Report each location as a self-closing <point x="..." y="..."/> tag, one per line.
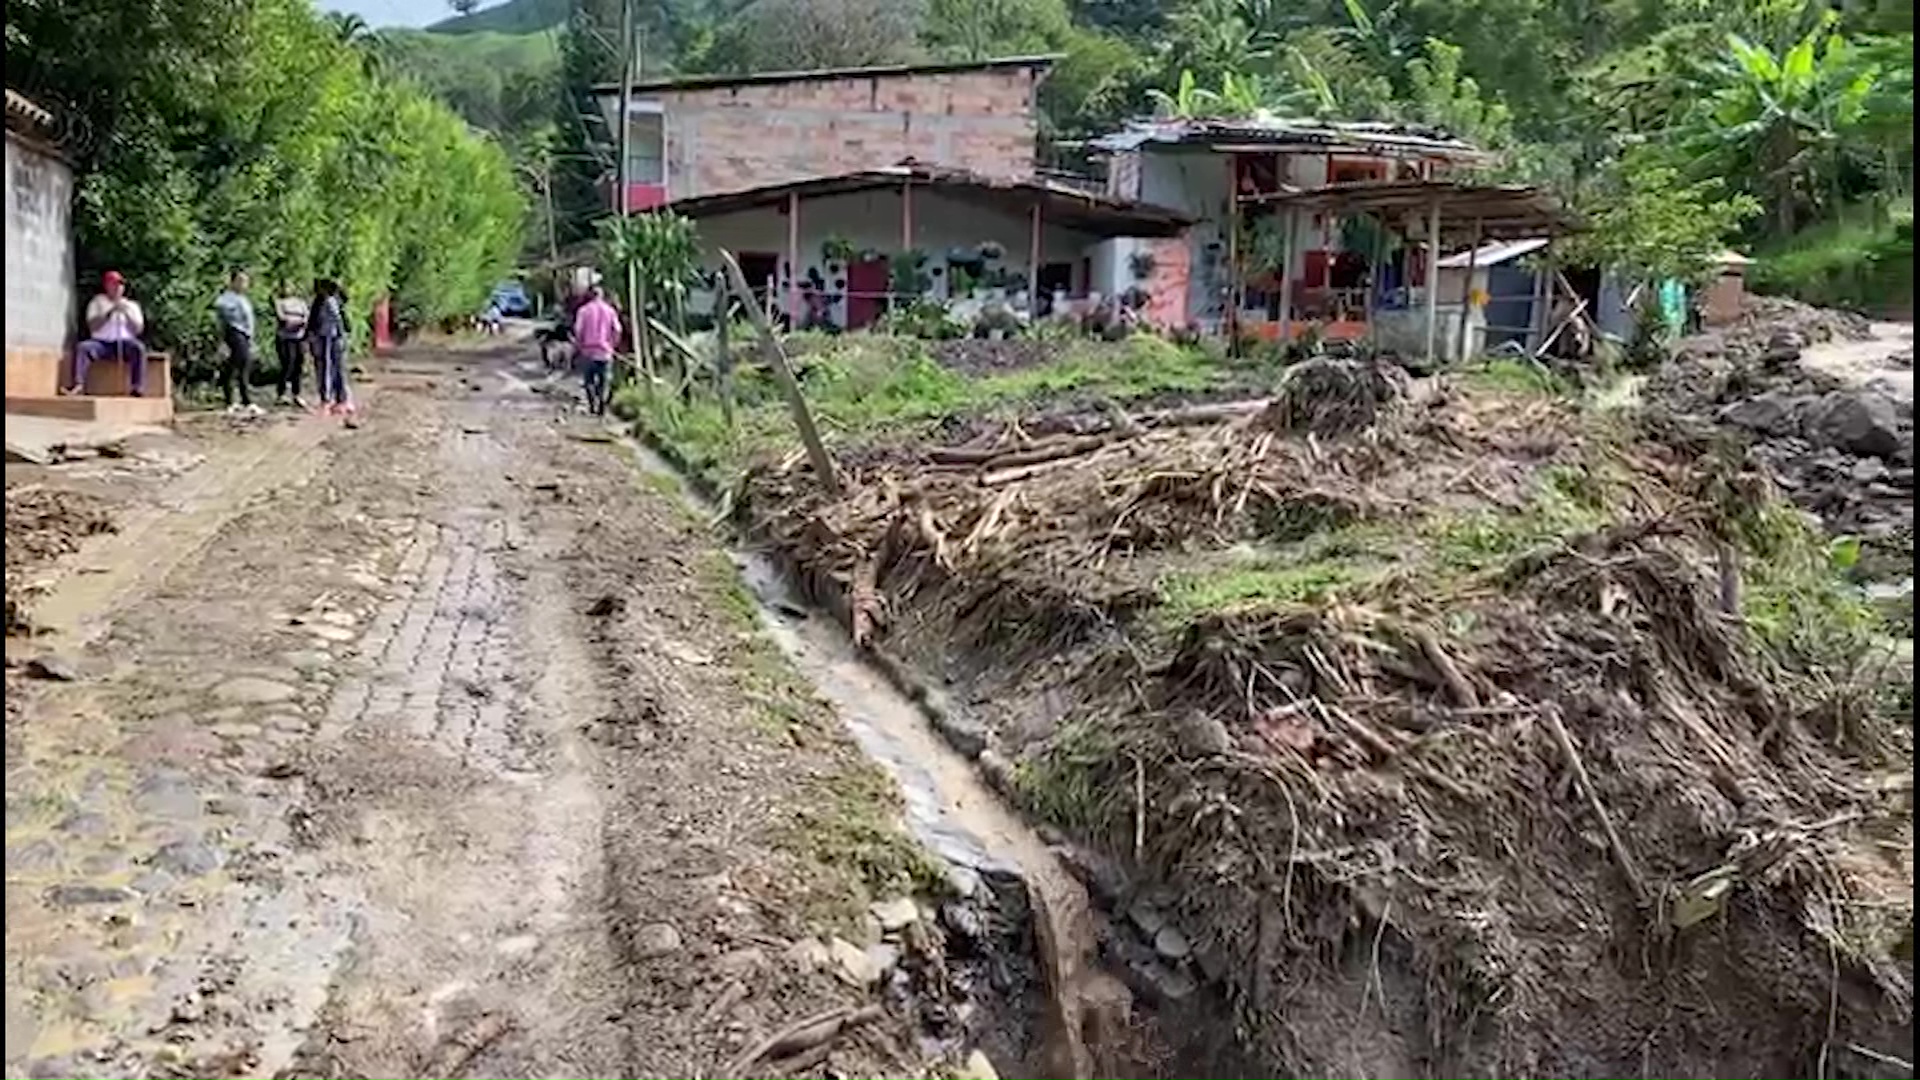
<point x="446" y="747"/>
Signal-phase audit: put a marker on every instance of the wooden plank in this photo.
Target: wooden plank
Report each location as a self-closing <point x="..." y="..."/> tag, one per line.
<point x="776" y="358"/>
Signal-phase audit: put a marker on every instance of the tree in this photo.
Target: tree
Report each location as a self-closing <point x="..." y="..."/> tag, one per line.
<point x="796" y="35"/>
<point x="1646" y="219"/>
<point x="463" y="7"/>
<point x="1788" y="121"/>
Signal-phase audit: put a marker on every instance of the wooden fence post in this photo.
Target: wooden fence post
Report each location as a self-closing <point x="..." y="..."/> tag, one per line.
<point x="776" y="358"/>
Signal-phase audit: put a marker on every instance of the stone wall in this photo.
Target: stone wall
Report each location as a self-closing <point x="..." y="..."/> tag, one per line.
<point x="40" y="270"/>
<point x="736" y="137"/>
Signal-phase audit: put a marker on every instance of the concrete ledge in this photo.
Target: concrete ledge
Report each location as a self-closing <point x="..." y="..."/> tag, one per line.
<point x="33" y="371"/>
<point x="112" y="377"/>
<point x="105" y="410"/>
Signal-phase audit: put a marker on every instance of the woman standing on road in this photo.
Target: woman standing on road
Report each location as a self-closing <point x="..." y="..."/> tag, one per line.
<point x="290" y="330"/>
<point x="327" y="333"/>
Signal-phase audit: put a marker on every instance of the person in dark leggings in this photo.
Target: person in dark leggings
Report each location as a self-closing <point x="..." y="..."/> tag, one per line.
<point x="327" y="333"/>
<point x="234" y="313"/>
<point x="289" y="342"/>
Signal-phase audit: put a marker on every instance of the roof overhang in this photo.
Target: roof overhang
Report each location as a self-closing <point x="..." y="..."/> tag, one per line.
<point x="1469" y="213"/>
<point x="1060" y="204"/>
<point x="1267" y="134"/>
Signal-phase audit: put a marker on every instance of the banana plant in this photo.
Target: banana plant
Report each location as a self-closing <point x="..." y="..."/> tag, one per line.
<point x="1784" y="119"/>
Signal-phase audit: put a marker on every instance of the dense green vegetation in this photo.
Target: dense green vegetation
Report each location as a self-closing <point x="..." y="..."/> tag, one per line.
<point x="258" y="134"/>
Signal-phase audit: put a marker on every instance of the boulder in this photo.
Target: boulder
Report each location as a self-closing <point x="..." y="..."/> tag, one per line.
<point x="1860" y="422"/>
<point x="1773" y="414"/>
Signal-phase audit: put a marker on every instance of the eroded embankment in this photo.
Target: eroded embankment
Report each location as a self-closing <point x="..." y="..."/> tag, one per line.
<point x="1381" y="710"/>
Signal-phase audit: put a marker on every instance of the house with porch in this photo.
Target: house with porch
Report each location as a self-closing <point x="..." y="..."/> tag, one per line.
<point x="1316" y="227"/>
<point x="823" y="181"/>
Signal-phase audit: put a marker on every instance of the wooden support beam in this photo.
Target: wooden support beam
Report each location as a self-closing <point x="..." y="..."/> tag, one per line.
<point x="795" y="316"/>
<point x="776" y="358"/>
<point x="1033" y="266"/>
<point x="1466" y="295"/>
<point x="1433" y="281"/>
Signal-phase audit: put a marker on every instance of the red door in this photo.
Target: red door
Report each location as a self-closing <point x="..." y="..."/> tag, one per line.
<point x="866" y="292"/>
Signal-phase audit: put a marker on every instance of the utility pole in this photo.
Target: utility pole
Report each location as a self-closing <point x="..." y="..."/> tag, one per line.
<point x="629" y="62"/>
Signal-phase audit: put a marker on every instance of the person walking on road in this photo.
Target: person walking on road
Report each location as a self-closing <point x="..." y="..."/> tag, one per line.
<point x="289" y="342"/>
<point x="327" y="331"/>
<point x="234" y="312"/>
<point x="596" y="333"/>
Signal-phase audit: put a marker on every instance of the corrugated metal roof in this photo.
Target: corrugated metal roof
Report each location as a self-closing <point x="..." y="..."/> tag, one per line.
<point x="714" y="82"/>
<point x="1283" y="131"/>
<point x="1494" y="254"/>
<point x="19" y="106"/>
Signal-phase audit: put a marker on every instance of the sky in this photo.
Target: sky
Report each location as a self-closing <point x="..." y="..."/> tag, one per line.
<point x="378" y="13"/>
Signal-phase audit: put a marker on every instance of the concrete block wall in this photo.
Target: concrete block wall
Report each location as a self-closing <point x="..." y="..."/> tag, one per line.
<point x="41" y="303"/>
<point x="731" y="138"/>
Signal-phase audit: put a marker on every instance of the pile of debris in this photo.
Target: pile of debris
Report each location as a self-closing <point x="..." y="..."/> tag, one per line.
<point x="1840" y="450"/>
<point x="43" y="525"/>
<point x="1483" y="714"/>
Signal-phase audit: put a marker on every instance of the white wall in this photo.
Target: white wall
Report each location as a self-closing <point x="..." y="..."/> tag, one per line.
<point x="873" y="220"/>
<point x="40" y="272"/>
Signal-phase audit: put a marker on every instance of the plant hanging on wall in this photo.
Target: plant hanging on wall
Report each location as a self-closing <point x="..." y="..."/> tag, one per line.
<point x="1142" y="264"/>
<point x="837" y="249"/>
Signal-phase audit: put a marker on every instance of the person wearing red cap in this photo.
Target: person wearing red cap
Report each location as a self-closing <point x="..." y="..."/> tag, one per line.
<point x="114" y="326"/>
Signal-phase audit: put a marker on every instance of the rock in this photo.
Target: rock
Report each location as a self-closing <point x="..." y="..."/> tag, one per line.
<point x="1858" y="422"/>
<point x="966" y="925"/>
<point x="896" y="915"/>
<point x="75" y="894"/>
<point x="656" y="940"/>
<point x="1868" y="470"/>
<point x="741" y="963"/>
<point x="967" y="734"/>
<point x="1203" y="734"/>
<point x="187" y="859"/>
<point x="882" y="959"/>
<point x="251" y="690"/>
<point x="53" y="668"/>
<point x="1151" y="920"/>
<point x="851" y="963"/>
<point x="1170" y="943"/>
<point x="1162" y="984"/>
<point x="305" y="660"/>
<point x="808" y="954"/>
<point x="977" y="1067"/>
<point x="1773" y="414"/>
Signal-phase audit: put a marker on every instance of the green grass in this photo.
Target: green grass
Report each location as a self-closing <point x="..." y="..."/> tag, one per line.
<point x="861" y="387"/>
<point x="1275" y="583"/>
<point x="1500" y="374"/>
<point x="1861" y="260"/>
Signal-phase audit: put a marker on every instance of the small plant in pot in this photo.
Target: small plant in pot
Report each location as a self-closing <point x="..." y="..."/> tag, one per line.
<point x="990" y="251"/>
<point x="837" y="252"/>
<point x="1142" y="264"/>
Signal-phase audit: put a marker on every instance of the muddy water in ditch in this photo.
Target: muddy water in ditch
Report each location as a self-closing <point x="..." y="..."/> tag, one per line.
<point x="954" y="813"/>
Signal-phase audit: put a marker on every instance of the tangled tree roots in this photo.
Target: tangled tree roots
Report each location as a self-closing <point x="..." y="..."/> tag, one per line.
<point x="1332" y="396"/>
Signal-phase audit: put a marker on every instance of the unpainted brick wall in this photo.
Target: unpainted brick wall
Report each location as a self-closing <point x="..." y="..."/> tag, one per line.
<point x="732" y="138"/>
<point x="40" y="289"/>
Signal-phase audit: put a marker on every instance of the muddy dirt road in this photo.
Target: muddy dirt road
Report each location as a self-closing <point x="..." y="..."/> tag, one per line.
<point x="452" y="751"/>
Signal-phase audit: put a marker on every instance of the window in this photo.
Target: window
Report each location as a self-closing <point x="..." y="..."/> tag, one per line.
<point x="647" y="150"/>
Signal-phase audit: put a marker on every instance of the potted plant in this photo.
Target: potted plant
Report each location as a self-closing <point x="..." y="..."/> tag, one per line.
<point x="990" y="251"/>
<point x="836" y="252"/>
<point x="1142" y="264"/>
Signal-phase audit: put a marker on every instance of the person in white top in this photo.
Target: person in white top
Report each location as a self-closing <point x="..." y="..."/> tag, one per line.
<point x="114" y="326"/>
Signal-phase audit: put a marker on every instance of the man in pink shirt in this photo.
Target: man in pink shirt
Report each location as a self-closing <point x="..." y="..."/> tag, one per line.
<point x="596" y="334"/>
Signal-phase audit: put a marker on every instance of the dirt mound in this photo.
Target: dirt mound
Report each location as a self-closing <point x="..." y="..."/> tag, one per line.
<point x="44" y="524"/>
<point x="1333" y="397"/>
<point x="1393" y="733"/>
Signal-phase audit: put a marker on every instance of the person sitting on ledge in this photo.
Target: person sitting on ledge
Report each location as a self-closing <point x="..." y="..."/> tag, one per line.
<point x="114" y="326"/>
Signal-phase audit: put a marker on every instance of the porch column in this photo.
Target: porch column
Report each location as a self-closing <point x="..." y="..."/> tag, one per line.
<point x="1466" y="295"/>
<point x="1231" y="323"/>
<point x="906" y="215"/>
<point x="1289" y="219"/>
<point x="1433" y="280"/>
<point x="794" y="315"/>
<point x="1033" y="266"/>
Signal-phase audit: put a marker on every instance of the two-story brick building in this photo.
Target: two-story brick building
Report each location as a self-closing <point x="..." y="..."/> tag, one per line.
<point x="787" y="168"/>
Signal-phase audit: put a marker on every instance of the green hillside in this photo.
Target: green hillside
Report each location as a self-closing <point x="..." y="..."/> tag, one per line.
<point x="512" y="17"/>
